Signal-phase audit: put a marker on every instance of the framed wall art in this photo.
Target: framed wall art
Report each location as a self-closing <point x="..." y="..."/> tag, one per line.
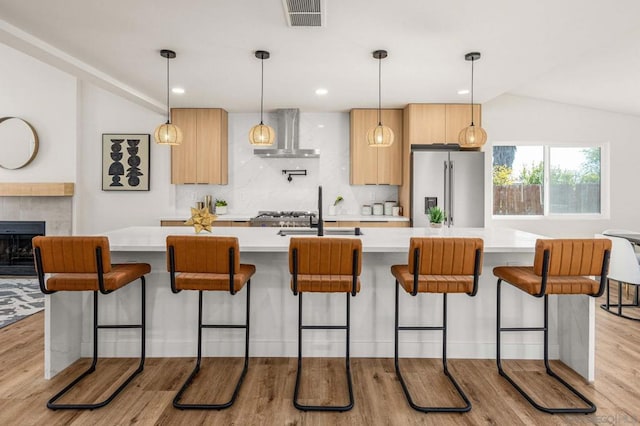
<point x="125" y="162"/>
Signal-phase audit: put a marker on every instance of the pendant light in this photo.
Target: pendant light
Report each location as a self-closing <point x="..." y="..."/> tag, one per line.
<point x="261" y="134"/>
<point x="472" y="136"/>
<point x="380" y="136"/>
<point x="167" y="133"/>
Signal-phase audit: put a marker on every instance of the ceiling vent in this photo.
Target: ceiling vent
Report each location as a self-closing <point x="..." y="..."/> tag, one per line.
<point x="304" y="13"/>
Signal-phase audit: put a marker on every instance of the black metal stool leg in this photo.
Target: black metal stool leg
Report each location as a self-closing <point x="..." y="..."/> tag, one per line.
<point x="194" y="373"/>
<point x="51" y="404"/>
<point x="591" y="407"/>
<point x="301" y="327"/>
<point x="405" y="388"/>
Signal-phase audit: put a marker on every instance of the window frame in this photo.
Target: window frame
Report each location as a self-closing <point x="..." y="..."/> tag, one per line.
<point x="605" y="190"/>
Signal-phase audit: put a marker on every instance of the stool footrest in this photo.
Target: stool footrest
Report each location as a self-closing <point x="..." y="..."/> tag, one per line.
<point x="523" y="329"/>
<point x="419" y="328"/>
<point x="120" y="326"/>
<point x="223" y="326"/>
<point x="324" y="327"/>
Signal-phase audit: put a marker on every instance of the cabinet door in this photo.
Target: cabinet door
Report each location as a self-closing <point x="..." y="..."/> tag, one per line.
<point x="390" y="158"/>
<point x="426" y="124"/>
<point x="458" y="116"/>
<point x="211" y="151"/>
<point x="182" y="156"/>
<point x="364" y="160"/>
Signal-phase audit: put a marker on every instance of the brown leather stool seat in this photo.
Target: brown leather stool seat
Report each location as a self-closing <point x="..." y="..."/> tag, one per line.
<point x="324" y="265"/>
<point x="561" y="266"/>
<point x="84" y="264"/>
<point x="437" y="265"/>
<point x="209" y="263"/>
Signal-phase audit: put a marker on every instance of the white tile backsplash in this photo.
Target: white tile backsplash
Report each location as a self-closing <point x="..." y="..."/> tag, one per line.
<point x="257" y="183"/>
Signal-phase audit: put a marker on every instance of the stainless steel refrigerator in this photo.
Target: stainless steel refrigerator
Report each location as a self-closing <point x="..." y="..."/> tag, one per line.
<point x="452" y="180"/>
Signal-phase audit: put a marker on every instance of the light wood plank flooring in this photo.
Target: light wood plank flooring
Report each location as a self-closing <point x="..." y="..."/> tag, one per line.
<point x="265" y="397"/>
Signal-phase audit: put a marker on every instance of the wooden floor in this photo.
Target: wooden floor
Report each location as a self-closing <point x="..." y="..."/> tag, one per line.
<point x="265" y="397"/>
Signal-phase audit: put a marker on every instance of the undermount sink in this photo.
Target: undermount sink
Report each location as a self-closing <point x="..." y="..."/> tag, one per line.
<point x="327" y="231"/>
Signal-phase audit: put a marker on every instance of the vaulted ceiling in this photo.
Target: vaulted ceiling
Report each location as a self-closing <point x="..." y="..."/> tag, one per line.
<point x="583" y="52"/>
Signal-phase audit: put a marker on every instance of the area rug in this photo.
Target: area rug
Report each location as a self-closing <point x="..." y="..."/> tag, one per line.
<point x="19" y="298"/>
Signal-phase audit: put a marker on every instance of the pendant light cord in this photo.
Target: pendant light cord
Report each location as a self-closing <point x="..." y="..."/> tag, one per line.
<point x="261" y="89"/>
<point x="168" y="110"/>
<point x="379" y="91"/>
<point x="472" y="61"/>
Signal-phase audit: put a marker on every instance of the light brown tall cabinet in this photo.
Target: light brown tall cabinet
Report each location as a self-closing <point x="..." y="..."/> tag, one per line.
<point x="375" y="166"/>
<point x="428" y="124"/>
<point x="203" y="155"/>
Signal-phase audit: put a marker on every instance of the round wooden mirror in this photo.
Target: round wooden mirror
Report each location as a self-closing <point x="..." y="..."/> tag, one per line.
<point x="18" y="143"/>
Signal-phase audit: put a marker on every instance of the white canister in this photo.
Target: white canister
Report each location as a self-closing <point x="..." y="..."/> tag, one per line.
<point x="366" y="210"/>
<point x="388" y="207"/>
<point x="378" y="209"/>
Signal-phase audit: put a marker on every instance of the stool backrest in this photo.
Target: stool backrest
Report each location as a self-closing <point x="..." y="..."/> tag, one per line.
<point x="325" y="256"/>
<point x="206" y="254"/>
<point x="72" y="254"/>
<point x="446" y="256"/>
<point x="572" y="257"/>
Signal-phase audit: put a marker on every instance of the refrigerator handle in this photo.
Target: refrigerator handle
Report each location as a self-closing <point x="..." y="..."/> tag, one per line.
<point x="444" y="204"/>
<point x="451" y="189"/>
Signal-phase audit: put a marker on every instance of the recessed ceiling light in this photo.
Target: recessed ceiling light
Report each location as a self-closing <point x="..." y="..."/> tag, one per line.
<point x="320" y="126"/>
<point x="321" y="92"/>
<point x="178" y="90"/>
<point x="463" y="92"/>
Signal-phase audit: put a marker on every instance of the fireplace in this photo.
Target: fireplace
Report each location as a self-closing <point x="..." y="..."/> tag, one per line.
<point x="16" y="254"/>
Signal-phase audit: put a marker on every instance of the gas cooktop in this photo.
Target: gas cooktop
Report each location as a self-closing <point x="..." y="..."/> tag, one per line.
<point x="285" y="219"/>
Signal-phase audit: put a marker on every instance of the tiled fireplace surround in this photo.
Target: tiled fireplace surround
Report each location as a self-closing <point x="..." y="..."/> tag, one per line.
<point x="55" y="211"/>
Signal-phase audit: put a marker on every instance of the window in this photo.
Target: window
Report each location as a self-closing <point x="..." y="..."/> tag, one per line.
<point x="543" y="180"/>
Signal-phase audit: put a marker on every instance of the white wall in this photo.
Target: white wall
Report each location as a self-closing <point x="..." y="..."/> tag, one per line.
<point x="46" y="98"/>
<point x="516" y="119"/>
<point x="97" y="210"/>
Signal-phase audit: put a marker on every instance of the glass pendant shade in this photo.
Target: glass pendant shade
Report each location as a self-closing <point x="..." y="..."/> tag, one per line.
<point x="380" y="136"/>
<point x="472" y="137"/>
<point x="168" y="134"/>
<point x="261" y="134"/>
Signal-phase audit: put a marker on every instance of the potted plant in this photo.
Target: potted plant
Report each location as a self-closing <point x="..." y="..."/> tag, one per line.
<point x="221" y="206"/>
<point x="436" y="217"/>
<point x="333" y="209"/>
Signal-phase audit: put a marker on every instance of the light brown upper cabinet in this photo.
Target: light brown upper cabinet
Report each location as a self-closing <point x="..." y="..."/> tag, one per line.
<point x="203" y="155"/>
<point x="438" y="123"/>
<point x="375" y="166"/>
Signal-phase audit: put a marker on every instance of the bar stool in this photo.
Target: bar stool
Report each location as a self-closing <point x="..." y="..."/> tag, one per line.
<point x="324" y="265"/>
<point x="560" y="267"/>
<point x="438" y="265"/>
<point x="84" y="264"/>
<point x="208" y="263"/>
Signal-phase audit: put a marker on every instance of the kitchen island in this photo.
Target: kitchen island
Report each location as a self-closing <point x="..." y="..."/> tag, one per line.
<point x="172" y="318"/>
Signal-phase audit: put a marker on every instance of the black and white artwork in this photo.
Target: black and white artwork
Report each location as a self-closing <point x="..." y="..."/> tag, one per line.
<point x="125" y="162"/>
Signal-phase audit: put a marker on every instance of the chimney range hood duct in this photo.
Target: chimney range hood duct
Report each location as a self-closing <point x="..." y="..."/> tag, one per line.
<point x="287" y="138"/>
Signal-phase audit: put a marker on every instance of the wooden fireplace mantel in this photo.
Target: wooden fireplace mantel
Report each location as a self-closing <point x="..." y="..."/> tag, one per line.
<point x="37" y="189"/>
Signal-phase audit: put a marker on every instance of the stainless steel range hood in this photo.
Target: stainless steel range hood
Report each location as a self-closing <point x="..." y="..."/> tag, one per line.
<point x="287" y="138"/>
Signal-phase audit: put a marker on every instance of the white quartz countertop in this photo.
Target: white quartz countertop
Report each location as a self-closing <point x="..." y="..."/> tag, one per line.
<point x="231" y="216"/>
<point x="381" y="240"/>
<point x="343" y="217"/>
